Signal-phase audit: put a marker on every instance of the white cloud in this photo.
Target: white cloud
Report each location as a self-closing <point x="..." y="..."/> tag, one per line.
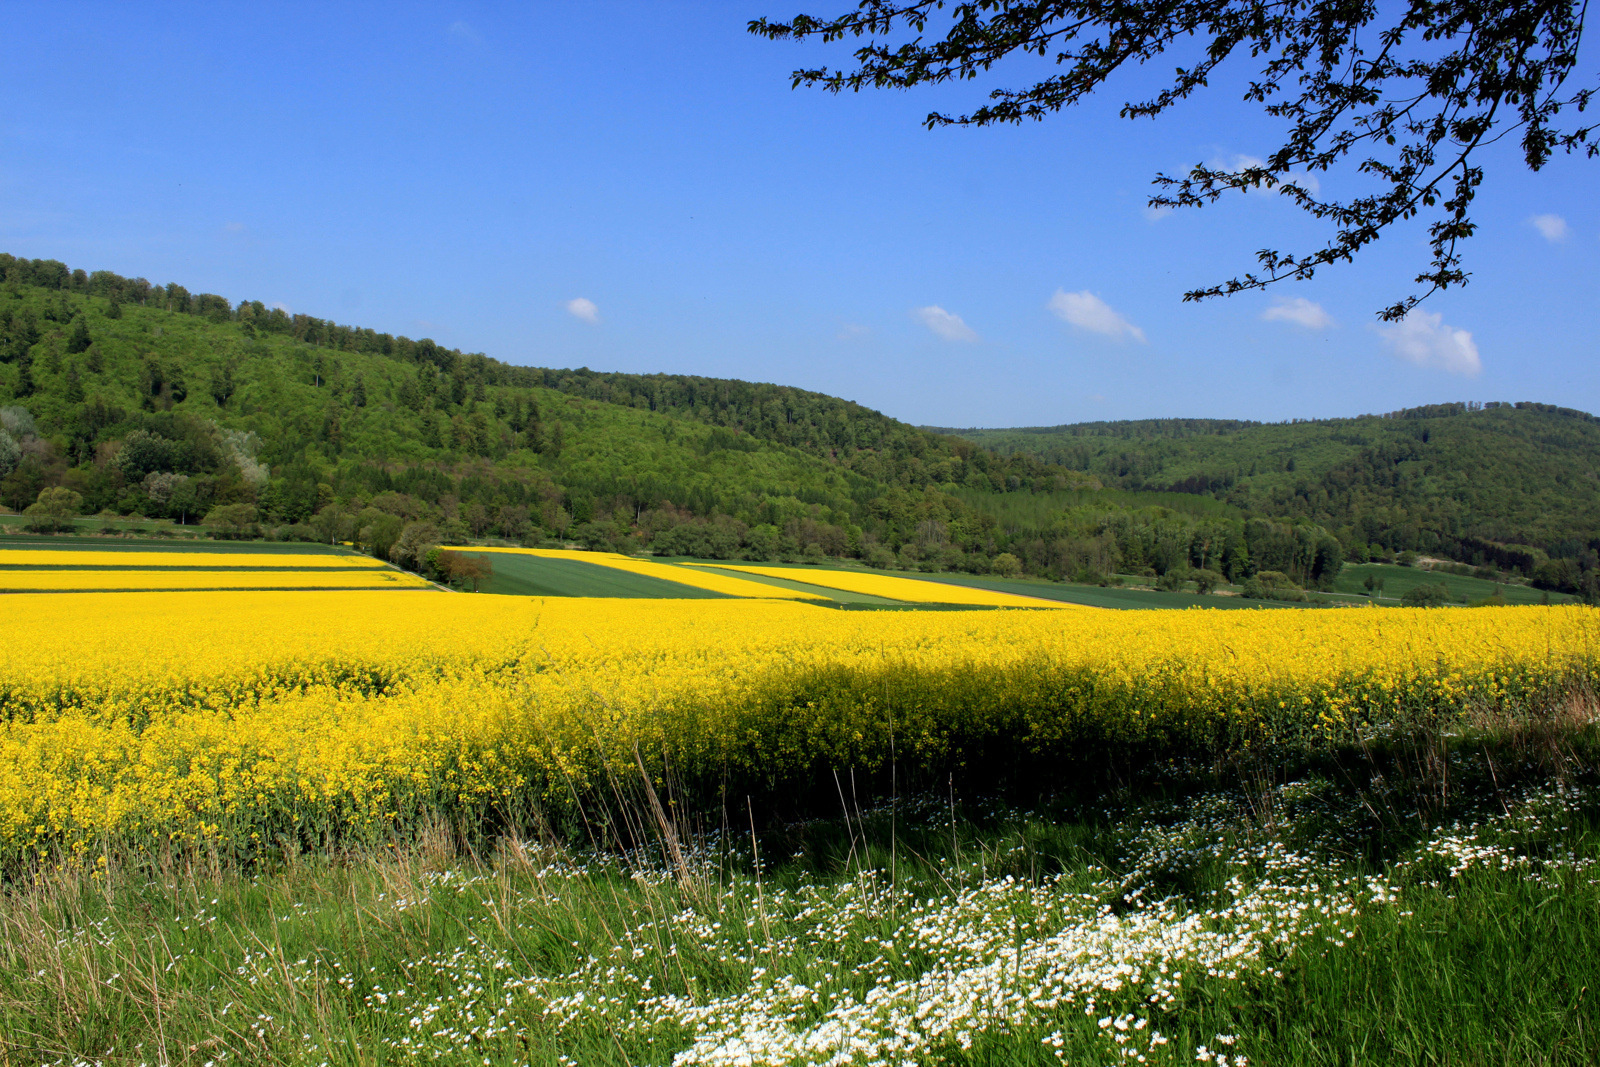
<point x="1157" y="212"/>
<point x="1304" y="179"/>
<point x="1300" y="311"/>
<point x="284" y="308"/>
<point x="234" y="227"/>
<point x="463" y="31"/>
<point x="585" y="309"/>
<point x="1423" y="338"/>
<point x="1553" y="227"/>
<point x="1243" y="163"/>
<point x="1088" y="312"/>
<point x="948" y="326"/>
<point x="1307" y="181"/>
<point x="852" y="331"/>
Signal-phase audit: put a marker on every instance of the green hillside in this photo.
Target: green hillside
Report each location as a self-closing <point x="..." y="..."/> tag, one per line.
<point x="147" y="402"/>
<point x="1504" y="484"/>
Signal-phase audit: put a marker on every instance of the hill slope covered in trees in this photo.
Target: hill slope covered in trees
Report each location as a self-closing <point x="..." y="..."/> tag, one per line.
<point x="151" y="400"/>
<point x="1465" y="480"/>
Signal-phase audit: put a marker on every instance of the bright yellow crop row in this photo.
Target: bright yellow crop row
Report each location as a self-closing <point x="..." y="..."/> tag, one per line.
<point x="21" y="581"/>
<point x="239" y="717"/>
<point x="67" y="557"/>
<point x="716" y="583"/>
<point x="910" y="590"/>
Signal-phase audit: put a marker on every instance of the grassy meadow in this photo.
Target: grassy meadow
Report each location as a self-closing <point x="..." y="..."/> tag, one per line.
<point x="1165" y="924"/>
<point x="1463" y="588"/>
<point x="687" y="814"/>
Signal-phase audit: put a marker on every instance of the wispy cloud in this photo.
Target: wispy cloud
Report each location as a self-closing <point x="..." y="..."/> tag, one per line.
<point x="463" y="31"/>
<point x="944" y="324"/>
<point x="585" y="309"/>
<point x="1553" y="227"/>
<point x="1088" y="312"/>
<point x="1423" y="338"/>
<point x="234" y="227"/>
<point x="1300" y="311"/>
<point x="852" y="331"/>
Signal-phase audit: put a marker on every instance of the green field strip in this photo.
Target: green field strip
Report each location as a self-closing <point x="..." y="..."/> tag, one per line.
<point x="832" y="564"/>
<point x="67" y="543"/>
<point x="840" y="596"/>
<point x="522" y="575"/>
<point x="1398" y="581"/>
<point x="92" y="524"/>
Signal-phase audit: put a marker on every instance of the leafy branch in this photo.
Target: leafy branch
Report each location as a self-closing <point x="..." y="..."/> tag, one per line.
<point x="1447" y="78"/>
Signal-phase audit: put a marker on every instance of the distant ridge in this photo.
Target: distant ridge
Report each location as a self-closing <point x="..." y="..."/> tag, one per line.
<point x="1183" y="427"/>
<point x="1475" y="475"/>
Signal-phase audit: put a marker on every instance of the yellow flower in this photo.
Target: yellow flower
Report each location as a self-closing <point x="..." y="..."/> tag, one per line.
<point x="229" y="716"/>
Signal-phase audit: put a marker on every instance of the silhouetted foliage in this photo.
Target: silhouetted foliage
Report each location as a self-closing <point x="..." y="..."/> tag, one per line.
<point x="1404" y="96"/>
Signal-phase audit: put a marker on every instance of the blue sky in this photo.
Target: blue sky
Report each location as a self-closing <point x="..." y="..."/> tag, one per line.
<point x="634" y="186"/>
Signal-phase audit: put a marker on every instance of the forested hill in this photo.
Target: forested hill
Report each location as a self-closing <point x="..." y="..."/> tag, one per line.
<point x="154" y="401"/>
<point x="825" y="426"/>
<point x="1445" y="476"/>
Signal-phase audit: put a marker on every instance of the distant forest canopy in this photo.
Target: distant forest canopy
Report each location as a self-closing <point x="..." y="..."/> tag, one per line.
<point x="152" y="400"/>
<point x="1466" y="480"/>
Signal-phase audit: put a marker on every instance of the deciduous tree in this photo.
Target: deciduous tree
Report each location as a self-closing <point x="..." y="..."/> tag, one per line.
<point x="54" y="510"/>
<point x="232" y="520"/>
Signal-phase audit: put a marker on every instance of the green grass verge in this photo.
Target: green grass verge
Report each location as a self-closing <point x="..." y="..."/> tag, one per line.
<point x="1309" y="922"/>
<point x="1492" y="970"/>
<point x="95" y="525"/>
<point x="221" y="550"/>
<point x="67" y="542"/>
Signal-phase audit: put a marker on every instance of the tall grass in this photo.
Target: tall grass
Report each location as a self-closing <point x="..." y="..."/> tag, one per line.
<point x="1407" y="903"/>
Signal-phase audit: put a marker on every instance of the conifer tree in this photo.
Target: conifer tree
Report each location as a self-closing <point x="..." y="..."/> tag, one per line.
<point x="79" y="341"/>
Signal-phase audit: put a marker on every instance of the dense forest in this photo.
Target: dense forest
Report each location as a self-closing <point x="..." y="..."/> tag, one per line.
<point x="154" y="401"/>
<point x="1514" y="485"/>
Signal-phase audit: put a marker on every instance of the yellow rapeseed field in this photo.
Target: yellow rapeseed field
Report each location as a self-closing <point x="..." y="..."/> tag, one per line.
<point x="23" y="581"/>
<point x="910" y="590"/>
<point x="250" y="718"/>
<point x="67" y="557"/>
<point x="716" y="583"/>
